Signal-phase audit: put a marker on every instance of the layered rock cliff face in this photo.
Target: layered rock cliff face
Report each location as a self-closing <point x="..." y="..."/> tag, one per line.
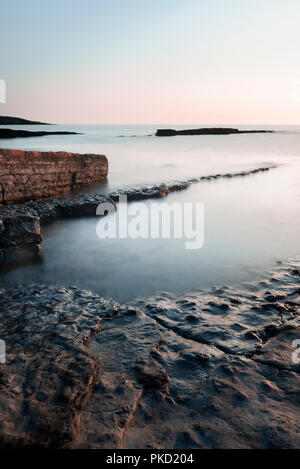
<point x="27" y="175"/>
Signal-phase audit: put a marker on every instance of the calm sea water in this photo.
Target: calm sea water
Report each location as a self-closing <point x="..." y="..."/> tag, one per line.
<point x="250" y="222"/>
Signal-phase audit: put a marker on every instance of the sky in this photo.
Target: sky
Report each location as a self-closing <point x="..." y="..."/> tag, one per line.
<point x="145" y="62"/>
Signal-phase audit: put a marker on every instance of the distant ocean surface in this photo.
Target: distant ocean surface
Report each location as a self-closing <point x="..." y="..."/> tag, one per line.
<point x="250" y="222"/>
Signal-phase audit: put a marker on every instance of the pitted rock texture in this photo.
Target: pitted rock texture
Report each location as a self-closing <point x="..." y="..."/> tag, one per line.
<point x="85" y="372"/>
<point x="49" y="373"/>
<point x="30" y="175"/>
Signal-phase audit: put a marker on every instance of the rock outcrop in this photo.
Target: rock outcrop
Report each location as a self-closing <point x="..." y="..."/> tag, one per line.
<point x="30" y="175"/>
<point x="20" y="225"/>
<point x="10" y="133"/>
<point x="20" y="235"/>
<point x="207" y="131"/>
<point x="207" y="370"/>
<point x="10" y="120"/>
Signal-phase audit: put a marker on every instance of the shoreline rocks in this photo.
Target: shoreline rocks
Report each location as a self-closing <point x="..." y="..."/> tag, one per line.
<point x="20" y="235"/>
<point x="20" y="225"/>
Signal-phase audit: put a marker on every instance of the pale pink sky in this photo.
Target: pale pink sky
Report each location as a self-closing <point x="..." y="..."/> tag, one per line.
<point x="167" y="61"/>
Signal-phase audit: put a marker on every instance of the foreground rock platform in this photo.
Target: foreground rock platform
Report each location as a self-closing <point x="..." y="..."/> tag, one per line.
<point x="207" y="370"/>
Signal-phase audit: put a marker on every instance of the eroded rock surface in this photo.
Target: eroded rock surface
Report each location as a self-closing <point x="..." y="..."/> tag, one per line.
<point x="49" y="374"/>
<point x="207" y="370"/>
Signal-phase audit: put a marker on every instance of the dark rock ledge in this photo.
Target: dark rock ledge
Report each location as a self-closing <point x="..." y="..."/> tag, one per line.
<point x="207" y="370"/>
<point x="20" y="224"/>
<point x="208" y="131"/>
<point x="10" y="133"/>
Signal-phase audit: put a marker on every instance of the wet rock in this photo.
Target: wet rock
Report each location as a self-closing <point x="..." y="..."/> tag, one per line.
<point x="295" y="272"/>
<point x="151" y="376"/>
<point x="20" y="226"/>
<point x="239" y="329"/>
<point x="279" y="351"/>
<point x="48" y="374"/>
<point x="20" y="234"/>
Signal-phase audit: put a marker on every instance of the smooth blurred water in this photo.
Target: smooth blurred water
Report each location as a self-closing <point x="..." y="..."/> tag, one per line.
<point x="250" y="222"/>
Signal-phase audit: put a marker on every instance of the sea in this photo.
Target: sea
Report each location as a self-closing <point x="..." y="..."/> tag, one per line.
<point x="250" y="223"/>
